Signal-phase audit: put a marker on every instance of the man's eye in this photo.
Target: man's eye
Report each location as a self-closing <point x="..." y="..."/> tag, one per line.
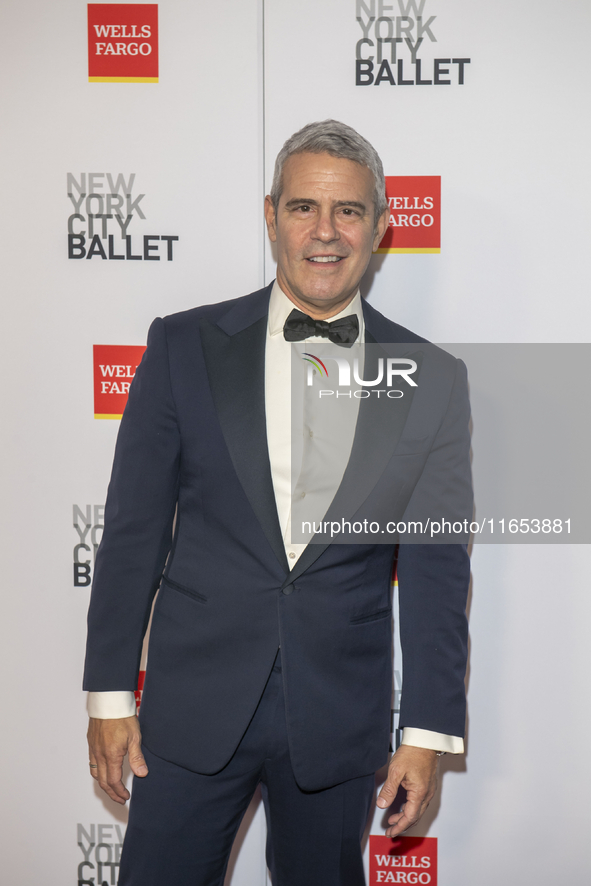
<point x="304" y="208"/>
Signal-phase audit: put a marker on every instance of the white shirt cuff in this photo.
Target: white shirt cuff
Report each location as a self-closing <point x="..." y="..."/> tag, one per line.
<point x="434" y="741"/>
<point x="111" y="705"/>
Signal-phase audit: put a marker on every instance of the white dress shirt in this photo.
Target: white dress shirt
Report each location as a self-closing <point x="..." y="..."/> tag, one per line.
<point x="114" y="705"/>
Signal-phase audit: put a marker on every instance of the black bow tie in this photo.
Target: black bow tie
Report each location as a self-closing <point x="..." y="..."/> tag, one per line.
<point x="299" y="326"/>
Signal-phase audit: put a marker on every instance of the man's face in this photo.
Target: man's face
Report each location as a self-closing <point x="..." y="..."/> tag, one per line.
<point x="324" y="229"/>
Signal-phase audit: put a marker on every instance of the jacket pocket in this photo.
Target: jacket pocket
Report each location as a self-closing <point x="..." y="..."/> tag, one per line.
<point x="372" y="616"/>
<point x="188" y="592"/>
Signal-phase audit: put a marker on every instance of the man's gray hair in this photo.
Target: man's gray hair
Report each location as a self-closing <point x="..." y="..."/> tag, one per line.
<point x="338" y="140"/>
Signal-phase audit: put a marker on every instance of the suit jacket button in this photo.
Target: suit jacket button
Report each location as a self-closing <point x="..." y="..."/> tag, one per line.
<point x="288" y="590"/>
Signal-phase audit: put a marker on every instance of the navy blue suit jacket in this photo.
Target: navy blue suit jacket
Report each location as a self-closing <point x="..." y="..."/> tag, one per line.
<point x="193" y="441"/>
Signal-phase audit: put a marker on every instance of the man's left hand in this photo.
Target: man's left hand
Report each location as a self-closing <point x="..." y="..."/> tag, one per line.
<point x="415" y="769"/>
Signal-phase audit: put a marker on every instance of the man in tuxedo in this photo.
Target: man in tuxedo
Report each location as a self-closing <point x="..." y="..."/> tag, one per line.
<point x="269" y="660"/>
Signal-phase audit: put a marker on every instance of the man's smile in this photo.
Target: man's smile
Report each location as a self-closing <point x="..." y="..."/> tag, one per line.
<point x="325" y="258"/>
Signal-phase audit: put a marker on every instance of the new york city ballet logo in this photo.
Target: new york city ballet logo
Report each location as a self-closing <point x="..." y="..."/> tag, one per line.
<point x="88" y="522"/>
<point x="414" y="223"/>
<point x="100" y="845"/>
<point x="388" y="371"/>
<point x="102" y="207"/>
<point x="123" y="42"/>
<point x="397" y="45"/>
<point x="114" y="369"/>
<point x="409" y="860"/>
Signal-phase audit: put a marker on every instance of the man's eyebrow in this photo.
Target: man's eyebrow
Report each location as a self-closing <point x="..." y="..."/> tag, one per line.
<point x="355" y="203"/>
<point x="302" y="201"/>
<point x="297" y="201"/>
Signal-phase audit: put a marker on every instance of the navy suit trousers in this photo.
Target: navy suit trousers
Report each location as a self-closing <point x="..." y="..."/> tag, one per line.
<point x="182" y="824"/>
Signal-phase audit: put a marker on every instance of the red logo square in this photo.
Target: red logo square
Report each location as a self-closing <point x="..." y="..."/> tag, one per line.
<point x="114" y="369"/>
<point x="414" y="203"/>
<point x="123" y="42"/>
<point x="140" y="688"/>
<point x="410" y="860"/>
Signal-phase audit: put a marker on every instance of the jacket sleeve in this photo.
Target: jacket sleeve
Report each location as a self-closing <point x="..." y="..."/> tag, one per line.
<point x="139" y="516"/>
<point x="433" y="583"/>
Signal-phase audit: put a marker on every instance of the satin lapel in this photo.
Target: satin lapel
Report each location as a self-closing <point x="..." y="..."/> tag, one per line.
<point x="377" y="433"/>
<point x="236" y="369"/>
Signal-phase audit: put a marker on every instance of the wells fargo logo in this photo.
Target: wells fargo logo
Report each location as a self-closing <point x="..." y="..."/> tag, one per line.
<point x="140" y="688"/>
<point x="114" y="369"/>
<point x="403" y="860"/>
<point x="414" y="202"/>
<point x="123" y="42"/>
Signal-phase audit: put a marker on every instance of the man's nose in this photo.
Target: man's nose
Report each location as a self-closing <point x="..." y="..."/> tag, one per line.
<point x="325" y="228"/>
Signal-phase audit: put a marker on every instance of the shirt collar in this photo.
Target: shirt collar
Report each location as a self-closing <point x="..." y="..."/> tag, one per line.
<point x="280" y="307"/>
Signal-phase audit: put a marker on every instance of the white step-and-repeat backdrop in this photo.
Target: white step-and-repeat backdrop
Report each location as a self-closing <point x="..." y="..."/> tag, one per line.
<point x="138" y="143"/>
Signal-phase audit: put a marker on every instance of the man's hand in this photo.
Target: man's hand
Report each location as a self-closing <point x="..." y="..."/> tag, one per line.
<point x="108" y="742"/>
<point x="416" y="770"/>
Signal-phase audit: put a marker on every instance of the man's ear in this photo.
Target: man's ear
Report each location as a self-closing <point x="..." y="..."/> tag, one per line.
<point x="381" y="227"/>
<point x="270" y="219"/>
